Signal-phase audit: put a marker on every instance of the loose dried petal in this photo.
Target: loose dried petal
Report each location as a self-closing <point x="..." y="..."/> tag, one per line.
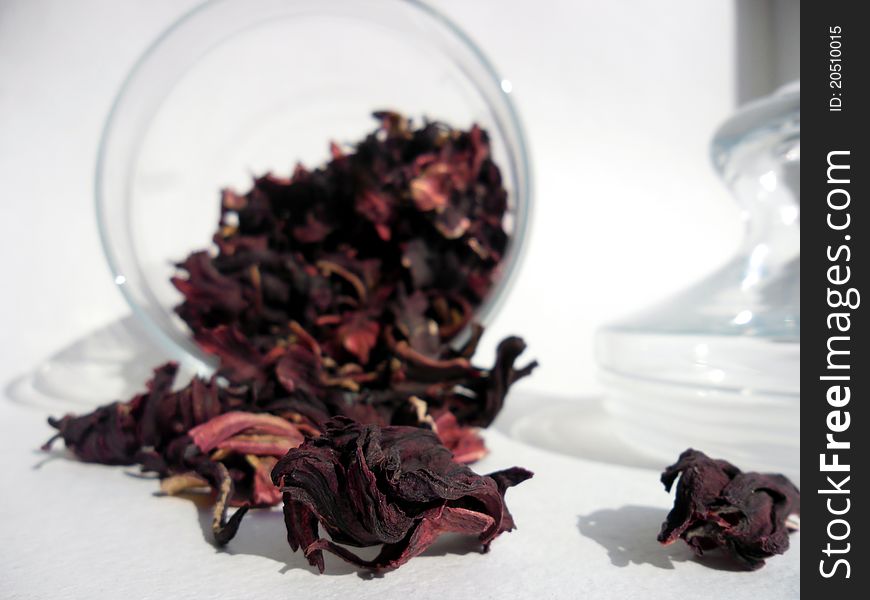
<point x="217" y="432"/>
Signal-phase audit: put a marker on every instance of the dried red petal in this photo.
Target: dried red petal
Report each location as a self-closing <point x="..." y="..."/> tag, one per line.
<point x="378" y="208"/>
<point x="464" y="442"/>
<point x="358" y="335"/>
<point x="239" y="360"/>
<point x="209" y="290"/>
<point x="429" y="192"/>
<point x="299" y="370"/>
<point x="265" y="493"/>
<point x="222" y="429"/>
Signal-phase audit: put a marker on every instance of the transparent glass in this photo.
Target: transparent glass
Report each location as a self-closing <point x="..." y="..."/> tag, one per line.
<point x="717" y="366"/>
<point x="238" y="88"/>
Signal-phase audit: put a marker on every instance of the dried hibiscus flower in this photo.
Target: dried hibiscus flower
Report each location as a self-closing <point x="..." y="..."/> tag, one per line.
<point x="396" y="487"/>
<point x="717" y="506"/>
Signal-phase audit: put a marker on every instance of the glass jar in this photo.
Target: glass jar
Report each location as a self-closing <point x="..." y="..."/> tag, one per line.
<point x="717" y="366"/>
<point x="237" y="88"/>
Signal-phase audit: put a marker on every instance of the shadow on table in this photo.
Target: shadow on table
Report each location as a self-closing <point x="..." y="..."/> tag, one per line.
<point x="629" y="536"/>
<point x="110" y="363"/>
<point x="578" y="426"/>
<point x="262" y="533"/>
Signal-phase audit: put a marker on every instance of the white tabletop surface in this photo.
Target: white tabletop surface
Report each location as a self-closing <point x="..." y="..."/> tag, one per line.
<point x="585" y="530"/>
<point x="587" y="524"/>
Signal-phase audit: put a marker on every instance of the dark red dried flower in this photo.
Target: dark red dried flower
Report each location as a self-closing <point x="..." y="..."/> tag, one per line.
<point x="398" y="487"/>
<point x="718" y="506"/>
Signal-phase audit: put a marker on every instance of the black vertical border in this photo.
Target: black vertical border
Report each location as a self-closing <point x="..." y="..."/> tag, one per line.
<point x="822" y="131"/>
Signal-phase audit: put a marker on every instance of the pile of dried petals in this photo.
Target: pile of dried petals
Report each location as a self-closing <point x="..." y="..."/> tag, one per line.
<point x="334" y="304"/>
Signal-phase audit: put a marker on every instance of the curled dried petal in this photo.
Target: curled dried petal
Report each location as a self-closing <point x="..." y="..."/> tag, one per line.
<point x="221" y="429"/>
